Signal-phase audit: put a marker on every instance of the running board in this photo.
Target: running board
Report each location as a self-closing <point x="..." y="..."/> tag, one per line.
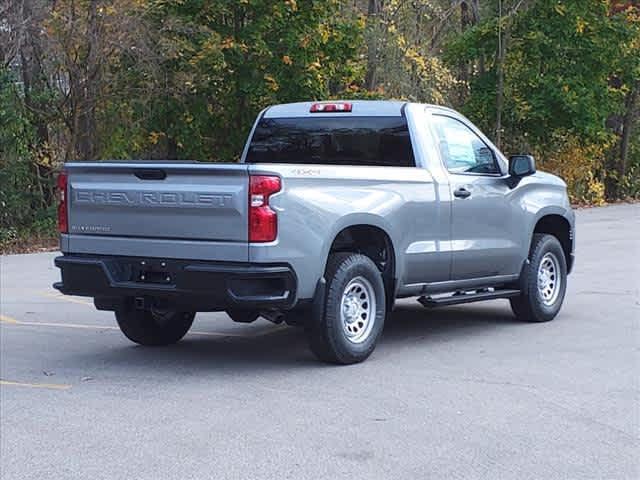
<point x="459" y="298"/>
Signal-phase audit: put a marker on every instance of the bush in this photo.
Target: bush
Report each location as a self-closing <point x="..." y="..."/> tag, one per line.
<point x="25" y="192"/>
<point x="579" y="164"/>
<point x="629" y="184"/>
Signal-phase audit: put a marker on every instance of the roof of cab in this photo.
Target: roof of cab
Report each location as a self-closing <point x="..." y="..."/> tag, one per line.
<point x="360" y="108"/>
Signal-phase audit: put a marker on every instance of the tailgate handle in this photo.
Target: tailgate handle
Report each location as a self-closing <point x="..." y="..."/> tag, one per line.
<point x="151" y="174"/>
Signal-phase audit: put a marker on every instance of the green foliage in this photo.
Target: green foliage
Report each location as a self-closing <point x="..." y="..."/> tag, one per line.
<point x="579" y="163"/>
<point x="222" y="62"/>
<point x="560" y="56"/>
<point x="23" y="207"/>
<point x="165" y="79"/>
<point x="567" y="69"/>
<point x="405" y="66"/>
<point x="17" y="195"/>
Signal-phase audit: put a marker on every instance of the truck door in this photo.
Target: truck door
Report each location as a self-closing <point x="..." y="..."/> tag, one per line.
<point x="484" y="236"/>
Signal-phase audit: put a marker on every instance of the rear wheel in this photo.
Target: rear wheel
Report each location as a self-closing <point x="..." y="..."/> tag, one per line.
<point x="153" y="327"/>
<point x="354" y="310"/>
<point x="543" y="281"/>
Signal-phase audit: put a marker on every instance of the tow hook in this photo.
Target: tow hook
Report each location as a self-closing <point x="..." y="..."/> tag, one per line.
<point x="140" y="303"/>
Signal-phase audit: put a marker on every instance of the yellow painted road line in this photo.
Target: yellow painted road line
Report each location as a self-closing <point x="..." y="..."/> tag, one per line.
<point x="83" y="302"/>
<point x="91" y="327"/>
<point x="49" y="386"/>
<point x="219" y="334"/>
<point x="4" y="318"/>
<point x="67" y="298"/>
<point x="67" y="325"/>
<point x="13" y="321"/>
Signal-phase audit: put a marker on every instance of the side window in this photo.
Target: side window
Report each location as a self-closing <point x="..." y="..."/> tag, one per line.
<point x="462" y="150"/>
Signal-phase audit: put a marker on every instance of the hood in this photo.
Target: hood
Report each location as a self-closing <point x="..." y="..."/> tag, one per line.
<point x="550" y="179"/>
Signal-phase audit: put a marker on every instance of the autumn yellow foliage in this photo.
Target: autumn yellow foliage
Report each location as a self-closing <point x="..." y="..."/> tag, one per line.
<point x="581" y="165"/>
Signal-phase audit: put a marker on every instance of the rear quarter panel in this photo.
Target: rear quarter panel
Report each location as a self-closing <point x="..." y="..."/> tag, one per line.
<point x="318" y="201"/>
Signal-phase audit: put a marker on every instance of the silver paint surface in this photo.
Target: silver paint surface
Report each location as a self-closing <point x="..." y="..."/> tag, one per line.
<point x="436" y="237"/>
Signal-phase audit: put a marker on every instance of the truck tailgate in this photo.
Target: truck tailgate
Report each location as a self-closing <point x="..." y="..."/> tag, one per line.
<point x="162" y="202"/>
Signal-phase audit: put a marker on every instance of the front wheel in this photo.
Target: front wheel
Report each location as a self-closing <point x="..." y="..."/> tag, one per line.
<point x="354" y="310"/>
<point x="543" y="281"/>
<point x="153" y="327"/>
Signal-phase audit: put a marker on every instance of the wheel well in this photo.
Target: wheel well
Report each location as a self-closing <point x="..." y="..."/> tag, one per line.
<point x="375" y="244"/>
<point x="559" y="227"/>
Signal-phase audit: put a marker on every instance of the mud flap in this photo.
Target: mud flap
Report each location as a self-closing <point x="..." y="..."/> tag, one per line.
<point x="319" y="299"/>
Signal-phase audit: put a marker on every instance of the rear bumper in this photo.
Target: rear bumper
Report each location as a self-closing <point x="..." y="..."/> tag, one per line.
<point x="191" y="284"/>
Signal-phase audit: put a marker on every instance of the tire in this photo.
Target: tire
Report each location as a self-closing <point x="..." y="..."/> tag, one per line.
<point x="346" y="337"/>
<point x="542" y="302"/>
<point x="153" y="328"/>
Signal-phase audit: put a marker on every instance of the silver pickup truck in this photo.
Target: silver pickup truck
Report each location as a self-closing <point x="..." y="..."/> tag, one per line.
<point x="335" y="210"/>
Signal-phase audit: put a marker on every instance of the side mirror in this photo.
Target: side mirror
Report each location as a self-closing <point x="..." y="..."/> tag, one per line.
<point x="521" y="165"/>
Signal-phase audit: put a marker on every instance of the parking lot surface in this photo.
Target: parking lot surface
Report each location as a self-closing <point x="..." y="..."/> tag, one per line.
<point x="460" y="392"/>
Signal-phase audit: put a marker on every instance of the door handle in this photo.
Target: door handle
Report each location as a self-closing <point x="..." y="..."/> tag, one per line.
<point x="462" y="193"/>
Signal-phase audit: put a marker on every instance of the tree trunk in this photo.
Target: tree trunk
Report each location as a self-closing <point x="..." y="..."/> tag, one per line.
<point x="503" y="40"/>
<point x="631" y="110"/>
<point x="475" y="10"/>
<point x="34" y="85"/>
<point x="499" y="91"/>
<point x="88" y="89"/>
<point x="373" y="21"/>
<point x="31" y="69"/>
<point x="463" y="66"/>
<point x="469" y="17"/>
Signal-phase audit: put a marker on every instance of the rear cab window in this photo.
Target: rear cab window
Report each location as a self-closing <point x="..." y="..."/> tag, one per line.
<point x="340" y="139"/>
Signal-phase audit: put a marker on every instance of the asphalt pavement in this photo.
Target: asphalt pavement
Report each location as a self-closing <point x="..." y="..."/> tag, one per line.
<point x="463" y="392"/>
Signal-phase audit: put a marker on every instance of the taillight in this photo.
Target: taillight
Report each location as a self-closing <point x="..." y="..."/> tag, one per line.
<point x="331" y="107"/>
<point x="263" y="221"/>
<point x="63" y="214"/>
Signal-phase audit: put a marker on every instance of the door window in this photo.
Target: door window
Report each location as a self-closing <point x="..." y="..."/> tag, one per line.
<point x="462" y="150"/>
